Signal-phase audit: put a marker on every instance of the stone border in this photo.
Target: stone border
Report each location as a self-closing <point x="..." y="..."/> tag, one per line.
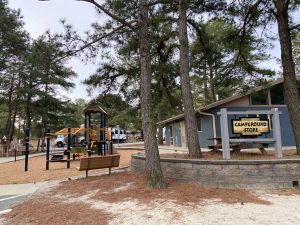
<point x="247" y="174"/>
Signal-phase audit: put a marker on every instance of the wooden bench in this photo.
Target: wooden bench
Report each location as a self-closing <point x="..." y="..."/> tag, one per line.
<point x="99" y="162"/>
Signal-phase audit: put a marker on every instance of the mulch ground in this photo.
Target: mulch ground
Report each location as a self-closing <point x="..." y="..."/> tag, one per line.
<point x="243" y="155"/>
<point x="13" y="172"/>
<point x="137" y="189"/>
<point x="49" y="208"/>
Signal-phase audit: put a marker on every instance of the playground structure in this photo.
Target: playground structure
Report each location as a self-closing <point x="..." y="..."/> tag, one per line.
<point x="96" y="134"/>
<point x="97" y="139"/>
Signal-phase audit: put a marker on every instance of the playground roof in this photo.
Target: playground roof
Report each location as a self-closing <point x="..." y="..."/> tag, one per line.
<point x="94" y="109"/>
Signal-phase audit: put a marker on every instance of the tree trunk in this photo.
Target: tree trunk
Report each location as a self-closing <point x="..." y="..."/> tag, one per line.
<point x="291" y="95"/>
<point x="206" y="98"/>
<point x="12" y="126"/>
<point x="187" y="99"/>
<point x="153" y="168"/>
<point x="160" y="129"/>
<point x="212" y="84"/>
<point x="12" y="112"/>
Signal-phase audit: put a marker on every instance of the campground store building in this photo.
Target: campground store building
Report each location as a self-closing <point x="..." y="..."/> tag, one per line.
<point x="258" y="99"/>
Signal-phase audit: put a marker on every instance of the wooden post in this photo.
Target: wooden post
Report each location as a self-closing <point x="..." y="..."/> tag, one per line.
<point x="277" y="133"/>
<point x="104" y="137"/>
<point x="69" y="147"/>
<point x="100" y="146"/>
<point x="38" y="145"/>
<point x="85" y="126"/>
<point x="26" y="149"/>
<point x="225" y="135"/>
<point x="48" y="149"/>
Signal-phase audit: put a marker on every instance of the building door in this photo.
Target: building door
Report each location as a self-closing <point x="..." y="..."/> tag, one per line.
<point x="171" y="136"/>
<point x="183" y="134"/>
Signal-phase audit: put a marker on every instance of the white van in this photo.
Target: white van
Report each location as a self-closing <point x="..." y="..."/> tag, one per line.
<point x="60" y="141"/>
<point x="118" y="135"/>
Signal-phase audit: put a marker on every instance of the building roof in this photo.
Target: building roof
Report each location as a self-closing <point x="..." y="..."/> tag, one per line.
<point x="226" y="100"/>
<point x="94" y="109"/>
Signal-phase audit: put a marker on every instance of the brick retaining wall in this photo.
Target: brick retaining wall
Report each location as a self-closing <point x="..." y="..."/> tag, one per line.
<point x="248" y="174"/>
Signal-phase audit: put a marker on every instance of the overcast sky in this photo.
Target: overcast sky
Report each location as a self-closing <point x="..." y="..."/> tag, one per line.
<point x="40" y="16"/>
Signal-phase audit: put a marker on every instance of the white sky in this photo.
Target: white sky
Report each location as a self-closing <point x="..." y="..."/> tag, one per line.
<point x="40" y="16"/>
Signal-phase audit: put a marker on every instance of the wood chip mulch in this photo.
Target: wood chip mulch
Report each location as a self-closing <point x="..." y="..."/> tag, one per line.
<point x="49" y="208"/>
<point x="136" y="189"/>
<point x="13" y="172"/>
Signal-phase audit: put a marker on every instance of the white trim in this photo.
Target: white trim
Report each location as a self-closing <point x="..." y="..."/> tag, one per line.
<point x="5" y="211"/>
<point x="213" y="124"/>
<point x="16" y="196"/>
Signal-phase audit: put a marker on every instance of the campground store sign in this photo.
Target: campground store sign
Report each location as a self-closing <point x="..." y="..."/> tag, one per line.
<point x="250" y="126"/>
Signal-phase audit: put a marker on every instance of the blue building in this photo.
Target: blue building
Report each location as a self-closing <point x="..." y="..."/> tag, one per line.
<point x="260" y="98"/>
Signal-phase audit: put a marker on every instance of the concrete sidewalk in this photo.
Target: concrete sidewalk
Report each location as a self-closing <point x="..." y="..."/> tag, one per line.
<point x="12" y="158"/>
<point x="25" y="189"/>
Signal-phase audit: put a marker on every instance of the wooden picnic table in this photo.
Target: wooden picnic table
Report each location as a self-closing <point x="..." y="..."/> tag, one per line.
<point x="238" y="146"/>
<point x="217" y="143"/>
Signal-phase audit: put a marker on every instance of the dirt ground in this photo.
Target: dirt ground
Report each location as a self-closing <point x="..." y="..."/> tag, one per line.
<point x="123" y="198"/>
<point x="243" y="155"/>
<point x="13" y="172"/>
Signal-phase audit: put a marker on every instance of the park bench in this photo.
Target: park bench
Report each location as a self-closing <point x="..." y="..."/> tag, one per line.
<point x="99" y="162"/>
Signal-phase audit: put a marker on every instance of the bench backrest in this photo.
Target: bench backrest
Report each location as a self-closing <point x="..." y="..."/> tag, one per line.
<point x="99" y="162"/>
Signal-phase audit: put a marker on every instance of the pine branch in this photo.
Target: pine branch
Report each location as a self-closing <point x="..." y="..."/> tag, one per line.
<point x="297" y="26"/>
<point x="73" y="52"/>
<point x="107" y="12"/>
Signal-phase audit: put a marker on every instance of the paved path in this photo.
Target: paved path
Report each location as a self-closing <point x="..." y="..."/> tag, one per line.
<point x="13" y="194"/>
<point x="12" y="158"/>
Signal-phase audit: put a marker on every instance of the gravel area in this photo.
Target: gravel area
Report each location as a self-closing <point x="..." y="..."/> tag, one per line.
<point x="13" y="172"/>
<point x="123" y="198"/>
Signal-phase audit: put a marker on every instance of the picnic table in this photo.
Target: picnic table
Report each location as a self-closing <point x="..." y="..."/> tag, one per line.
<point x="237" y="145"/>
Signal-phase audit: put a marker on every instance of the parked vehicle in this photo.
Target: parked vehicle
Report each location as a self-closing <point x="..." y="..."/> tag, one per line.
<point x="60" y="141"/>
<point x="118" y="135"/>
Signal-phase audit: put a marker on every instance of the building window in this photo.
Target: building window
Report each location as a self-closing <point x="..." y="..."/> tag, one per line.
<point x="199" y="123"/>
<point x="259" y="98"/>
<point x="277" y="95"/>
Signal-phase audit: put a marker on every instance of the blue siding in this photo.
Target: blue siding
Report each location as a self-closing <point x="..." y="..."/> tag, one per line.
<point x="207" y="131"/>
<point x="167" y="134"/>
<point x="176" y="134"/>
<point x="287" y="134"/>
